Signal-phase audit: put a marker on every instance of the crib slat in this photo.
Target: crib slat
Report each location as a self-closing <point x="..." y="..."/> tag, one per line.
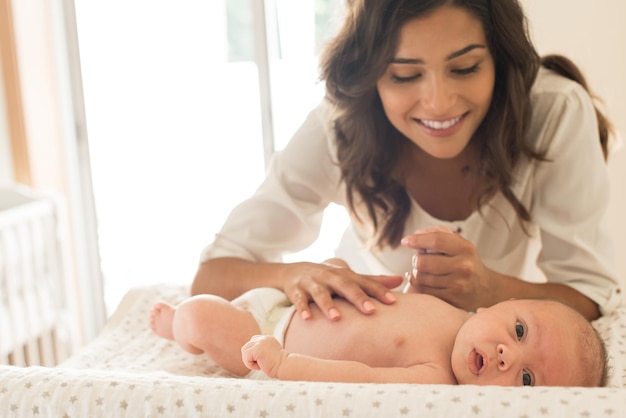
<point x="34" y="324"/>
<point x="17" y="319"/>
<point x="44" y="286"/>
<point x="60" y="338"/>
<point x="48" y="289"/>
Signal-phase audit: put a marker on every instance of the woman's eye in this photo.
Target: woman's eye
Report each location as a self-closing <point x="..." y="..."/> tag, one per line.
<point x="519" y="330"/>
<point x="527" y="379"/>
<point x="466" y="71"/>
<point x="400" y="80"/>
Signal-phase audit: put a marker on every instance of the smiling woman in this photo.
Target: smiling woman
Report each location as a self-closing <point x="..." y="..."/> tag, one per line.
<point x="434" y="93"/>
<point x="437" y="99"/>
<point x="437" y="113"/>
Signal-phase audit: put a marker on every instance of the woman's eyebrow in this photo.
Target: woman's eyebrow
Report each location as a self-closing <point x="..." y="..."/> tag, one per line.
<point x="464" y="51"/>
<point x="452" y="56"/>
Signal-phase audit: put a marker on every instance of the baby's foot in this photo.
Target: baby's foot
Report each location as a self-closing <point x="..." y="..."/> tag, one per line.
<point x="161" y="318"/>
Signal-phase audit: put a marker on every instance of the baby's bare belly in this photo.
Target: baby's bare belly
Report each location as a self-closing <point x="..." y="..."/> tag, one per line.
<point x="391" y="337"/>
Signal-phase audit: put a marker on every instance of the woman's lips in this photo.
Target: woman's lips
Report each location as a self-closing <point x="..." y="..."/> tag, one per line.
<point x="476" y="362"/>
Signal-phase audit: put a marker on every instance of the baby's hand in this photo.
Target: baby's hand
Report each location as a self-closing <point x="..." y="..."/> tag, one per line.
<point x="264" y="353"/>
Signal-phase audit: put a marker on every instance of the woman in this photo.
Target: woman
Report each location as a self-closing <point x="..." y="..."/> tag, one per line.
<point x="437" y="113"/>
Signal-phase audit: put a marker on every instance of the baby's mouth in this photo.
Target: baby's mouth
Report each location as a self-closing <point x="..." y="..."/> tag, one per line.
<point x="476" y="362"/>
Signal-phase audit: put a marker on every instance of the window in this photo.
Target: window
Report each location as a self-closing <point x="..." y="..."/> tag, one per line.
<point x="175" y="129"/>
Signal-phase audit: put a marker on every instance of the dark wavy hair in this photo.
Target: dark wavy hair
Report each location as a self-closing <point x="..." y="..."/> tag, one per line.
<point x="369" y="147"/>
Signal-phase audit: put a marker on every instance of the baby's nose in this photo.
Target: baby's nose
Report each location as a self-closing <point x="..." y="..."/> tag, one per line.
<point x="506" y="357"/>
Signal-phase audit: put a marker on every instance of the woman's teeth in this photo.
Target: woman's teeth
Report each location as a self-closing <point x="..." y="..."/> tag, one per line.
<point x="440" y="125"/>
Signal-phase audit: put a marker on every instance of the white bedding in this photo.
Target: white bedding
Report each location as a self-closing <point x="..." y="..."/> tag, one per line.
<point x="129" y="372"/>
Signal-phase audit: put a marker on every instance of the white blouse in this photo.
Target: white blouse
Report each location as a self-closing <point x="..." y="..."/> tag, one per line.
<point x="567" y="197"/>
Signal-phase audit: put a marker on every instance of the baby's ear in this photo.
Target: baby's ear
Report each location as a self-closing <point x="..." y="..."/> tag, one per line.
<point x="479" y="310"/>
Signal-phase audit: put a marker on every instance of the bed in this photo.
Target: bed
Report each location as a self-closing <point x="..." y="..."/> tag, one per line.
<point x="129" y="372"/>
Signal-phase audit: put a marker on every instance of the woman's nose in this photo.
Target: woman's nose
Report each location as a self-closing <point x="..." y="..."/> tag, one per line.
<point x="506" y="357"/>
<point x="437" y="96"/>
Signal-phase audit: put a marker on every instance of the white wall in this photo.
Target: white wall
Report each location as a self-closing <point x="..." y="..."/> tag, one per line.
<point x="592" y="34"/>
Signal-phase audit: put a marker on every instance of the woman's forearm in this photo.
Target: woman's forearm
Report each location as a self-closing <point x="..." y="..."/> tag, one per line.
<point x="302" y="282"/>
<point x="229" y="277"/>
<point x="510" y="287"/>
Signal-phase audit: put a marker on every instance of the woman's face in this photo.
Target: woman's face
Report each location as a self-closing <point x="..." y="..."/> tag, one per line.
<point x="438" y="87"/>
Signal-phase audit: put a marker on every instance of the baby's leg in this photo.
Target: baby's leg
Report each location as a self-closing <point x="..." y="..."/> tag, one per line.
<point x="212" y="325"/>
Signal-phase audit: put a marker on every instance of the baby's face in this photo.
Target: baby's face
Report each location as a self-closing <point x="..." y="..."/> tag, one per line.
<point x="520" y="342"/>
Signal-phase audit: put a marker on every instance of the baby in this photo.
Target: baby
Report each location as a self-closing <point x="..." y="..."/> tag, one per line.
<point x="417" y="339"/>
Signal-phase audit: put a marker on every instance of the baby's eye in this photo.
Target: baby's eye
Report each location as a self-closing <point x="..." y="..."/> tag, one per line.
<point x="527" y="379"/>
<point x="519" y="330"/>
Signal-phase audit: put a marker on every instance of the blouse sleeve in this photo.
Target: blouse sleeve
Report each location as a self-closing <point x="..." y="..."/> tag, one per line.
<point x="285" y="213"/>
<point x="571" y="196"/>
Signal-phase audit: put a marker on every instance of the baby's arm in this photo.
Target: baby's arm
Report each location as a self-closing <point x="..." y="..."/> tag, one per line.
<point x="265" y="353"/>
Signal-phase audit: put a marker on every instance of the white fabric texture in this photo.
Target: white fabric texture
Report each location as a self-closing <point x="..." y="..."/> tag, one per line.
<point x="130" y="372"/>
<point x="566" y="196"/>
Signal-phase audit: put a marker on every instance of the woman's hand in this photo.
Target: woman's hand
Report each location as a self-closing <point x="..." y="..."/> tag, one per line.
<point x="449" y="267"/>
<point x="302" y="282"/>
<point x="318" y="283"/>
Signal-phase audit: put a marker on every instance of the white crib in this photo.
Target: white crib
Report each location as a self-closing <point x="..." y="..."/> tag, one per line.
<point x="33" y="305"/>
